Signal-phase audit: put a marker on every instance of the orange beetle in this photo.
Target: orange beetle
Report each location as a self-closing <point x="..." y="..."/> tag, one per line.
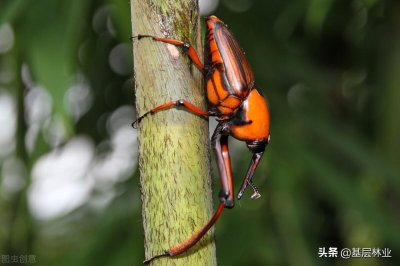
<point x="241" y="111"/>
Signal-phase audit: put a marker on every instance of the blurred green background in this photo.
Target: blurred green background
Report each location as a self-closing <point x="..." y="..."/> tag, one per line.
<point x="330" y="177"/>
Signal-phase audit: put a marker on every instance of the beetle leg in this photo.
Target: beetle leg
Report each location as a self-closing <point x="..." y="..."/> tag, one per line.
<point x="221" y="150"/>
<point x="187" y="48"/>
<point x="220" y="145"/>
<point x="185" y="245"/>
<point x="190" y="242"/>
<point x="249" y="176"/>
<point x="192" y="108"/>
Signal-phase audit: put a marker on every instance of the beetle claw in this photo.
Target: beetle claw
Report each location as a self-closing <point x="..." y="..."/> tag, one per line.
<point x="140" y="36"/>
<point x="136" y="122"/>
<point x="165" y="254"/>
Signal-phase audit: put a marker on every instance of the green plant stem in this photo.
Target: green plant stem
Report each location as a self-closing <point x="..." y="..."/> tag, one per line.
<point x="173" y="144"/>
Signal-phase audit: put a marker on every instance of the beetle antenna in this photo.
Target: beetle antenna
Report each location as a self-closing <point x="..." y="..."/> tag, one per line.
<point x="256" y="194"/>
<point x="249" y="176"/>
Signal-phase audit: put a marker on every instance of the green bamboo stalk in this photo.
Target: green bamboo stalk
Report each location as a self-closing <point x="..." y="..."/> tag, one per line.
<point x="173" y="144"/>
